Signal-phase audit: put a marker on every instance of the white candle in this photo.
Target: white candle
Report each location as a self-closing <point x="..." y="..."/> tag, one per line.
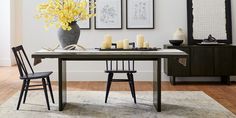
<point x="104" y="45"/>
<point x="108" y="40"/>
<point x="146" y="44"/>
<point x="140" y="41"/>
<point x="119" y="44"/>
<point x="126" y="43"/>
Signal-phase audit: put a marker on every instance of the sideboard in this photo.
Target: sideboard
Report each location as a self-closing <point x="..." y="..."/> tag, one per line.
<point x="203" y="61"/>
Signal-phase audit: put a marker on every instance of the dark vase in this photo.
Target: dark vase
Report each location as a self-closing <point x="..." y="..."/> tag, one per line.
<point x="71" y="37"/>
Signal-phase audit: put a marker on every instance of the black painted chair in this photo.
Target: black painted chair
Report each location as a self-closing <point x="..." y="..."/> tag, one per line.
<point x="120" y="66"/>
<point x="23" y="67"/>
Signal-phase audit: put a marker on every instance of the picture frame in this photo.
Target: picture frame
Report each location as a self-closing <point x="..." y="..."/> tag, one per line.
<point x="140" y="14"/>
<point x="86" y="24"/>
<point x="109" y="15"/>
<point x="218" y="23"/>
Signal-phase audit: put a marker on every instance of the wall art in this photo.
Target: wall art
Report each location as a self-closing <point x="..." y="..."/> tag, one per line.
<point x="108" y="14"/>
<point x="140" y="14"/>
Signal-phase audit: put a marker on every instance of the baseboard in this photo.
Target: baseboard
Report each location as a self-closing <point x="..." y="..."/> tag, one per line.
<point x="5" y="62"/>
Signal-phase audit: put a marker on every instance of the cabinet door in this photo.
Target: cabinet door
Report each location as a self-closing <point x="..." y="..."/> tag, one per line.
<point x="177" y="66"/>
<point x="202" y="61"/>
<point x="234" y="61"/>
<point x="223" y="60"/>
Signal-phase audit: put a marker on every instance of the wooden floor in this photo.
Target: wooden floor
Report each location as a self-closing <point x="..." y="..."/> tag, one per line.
<point x="224" y="94"/>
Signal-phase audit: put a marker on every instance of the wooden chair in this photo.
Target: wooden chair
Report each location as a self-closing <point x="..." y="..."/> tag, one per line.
<point x="120" y="66"/>
<point x="23" y="67"/>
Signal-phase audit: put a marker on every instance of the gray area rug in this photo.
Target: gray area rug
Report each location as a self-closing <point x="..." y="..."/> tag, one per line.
<point x="90" y="104"/>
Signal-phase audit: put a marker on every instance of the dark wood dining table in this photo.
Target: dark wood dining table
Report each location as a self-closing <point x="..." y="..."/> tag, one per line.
<point x="63" y="56"/>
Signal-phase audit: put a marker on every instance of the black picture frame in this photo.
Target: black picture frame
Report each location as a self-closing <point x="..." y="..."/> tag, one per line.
<point x="109" y="28"/>
<point x="89" y="26"/>
<point x="153" y="17"/>
<point x="192" y="41"/>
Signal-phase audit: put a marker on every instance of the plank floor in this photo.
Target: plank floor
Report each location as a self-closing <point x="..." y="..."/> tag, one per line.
<point x="224" y="94"/>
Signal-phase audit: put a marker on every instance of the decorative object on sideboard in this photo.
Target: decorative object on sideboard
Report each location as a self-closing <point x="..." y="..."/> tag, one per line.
<point x="53" y="13"/>
<point x="210" y="40"/>
<point x="180" y="35"/>
<point x="176" y="42"/>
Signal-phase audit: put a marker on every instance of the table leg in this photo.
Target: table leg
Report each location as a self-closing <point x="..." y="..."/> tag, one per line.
<point x="157" y="84"/>
<point x="62" y="83"/>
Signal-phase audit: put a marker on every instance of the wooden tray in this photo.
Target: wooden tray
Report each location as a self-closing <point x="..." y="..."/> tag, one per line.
<point x="131" y="49"/>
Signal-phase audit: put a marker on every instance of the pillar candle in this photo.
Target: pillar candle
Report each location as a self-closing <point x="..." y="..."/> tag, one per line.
<point x="126" y="43"/>
<point x="119" y="44"/>
<point x="140" y="41"/>
<point x="104" y="45"/>
<point x="108" y="40"/>
<point x="146" y="44"/>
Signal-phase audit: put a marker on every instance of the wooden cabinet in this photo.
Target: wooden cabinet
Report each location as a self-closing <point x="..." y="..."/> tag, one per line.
<point x="234" y="62"/>
<point x="223" y="61"/>
<point x="203" y="61"/>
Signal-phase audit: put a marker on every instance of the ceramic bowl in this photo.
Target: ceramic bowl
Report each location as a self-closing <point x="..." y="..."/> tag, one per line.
<point x="176" y="42"/>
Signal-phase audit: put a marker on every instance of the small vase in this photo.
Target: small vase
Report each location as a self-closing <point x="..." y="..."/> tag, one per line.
<point x="180" y="35"/>
<point x="71" y="37"/>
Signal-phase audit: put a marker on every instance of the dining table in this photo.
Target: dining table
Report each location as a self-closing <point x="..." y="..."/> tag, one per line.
<point x="64" y="56"/>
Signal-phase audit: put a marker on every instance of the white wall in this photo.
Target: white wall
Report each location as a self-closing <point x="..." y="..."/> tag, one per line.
<point x="8" y="31"/>
<point x="170" y="14"/>
<point x="5" y="33"/>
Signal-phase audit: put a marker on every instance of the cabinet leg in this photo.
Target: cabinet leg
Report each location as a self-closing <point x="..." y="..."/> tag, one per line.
<point x="225" y="80"/>
<point x="172" y="80"/>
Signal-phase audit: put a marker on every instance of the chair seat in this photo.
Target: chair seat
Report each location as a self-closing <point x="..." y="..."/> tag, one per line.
<point x="37" y="75"/>
<point x="120" y="71"/>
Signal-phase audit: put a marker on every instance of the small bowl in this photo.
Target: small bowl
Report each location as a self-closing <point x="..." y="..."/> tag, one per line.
<point x="176" y="42"/>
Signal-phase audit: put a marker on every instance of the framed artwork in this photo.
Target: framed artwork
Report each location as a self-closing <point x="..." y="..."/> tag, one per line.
<point x="108" y="14"/>
<point x="207" y="17"/>
<point x="140" y="14"/>
<point x="86" y="24"/>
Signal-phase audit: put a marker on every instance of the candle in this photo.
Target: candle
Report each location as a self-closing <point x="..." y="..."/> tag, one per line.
<point x="108" y="40"/>
<point x="146" y="44"/>
<point x="119" y="44"/>
<point x="140" y="41"/>
<point x="104" y="45"/>
<point x="126" y="43"/>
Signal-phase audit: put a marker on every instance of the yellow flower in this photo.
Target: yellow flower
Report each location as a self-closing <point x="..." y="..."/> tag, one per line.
<point x="61" y="13"/>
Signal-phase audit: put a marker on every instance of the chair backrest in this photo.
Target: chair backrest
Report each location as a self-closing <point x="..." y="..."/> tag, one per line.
<point x="120" y="65"/>
<point x="22" y="60"/>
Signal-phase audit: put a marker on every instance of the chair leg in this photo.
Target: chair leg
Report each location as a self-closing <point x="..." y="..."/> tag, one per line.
<point x="110" y="76"/>
<point x="21" y="94"/>
<point x="130" y="84"/>
<point x="26" y="90"/>
<point x="45" y="92"/>
<point x="50" y="89"/>
<point x="132" y="80"/>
